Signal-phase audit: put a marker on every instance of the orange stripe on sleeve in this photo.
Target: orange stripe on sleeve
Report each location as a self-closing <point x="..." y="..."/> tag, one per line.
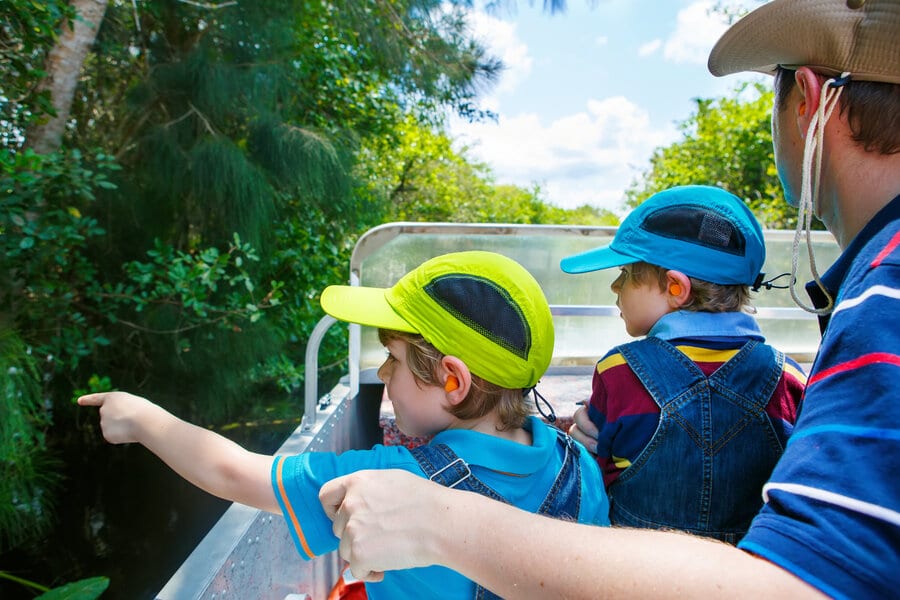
<point x="290" y="511"/>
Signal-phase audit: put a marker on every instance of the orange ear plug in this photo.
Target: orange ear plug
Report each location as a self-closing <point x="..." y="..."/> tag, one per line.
<point x="451" y="384"/>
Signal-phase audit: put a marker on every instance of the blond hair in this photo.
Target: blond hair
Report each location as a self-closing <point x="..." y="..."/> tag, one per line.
<point x="705" y="296"/>
<point x="483" y="398"/>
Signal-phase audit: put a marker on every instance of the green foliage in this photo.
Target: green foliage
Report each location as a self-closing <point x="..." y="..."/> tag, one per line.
<point x="85" y="589"/>
<point x="313" y="252"/>
<point x="27" y="480"/>
<point x="242" y="120"/>
<point x="95" y="384"/>
<point x="727" y="142"/>
<point x="191" y="281"/>
<point x="44" y="238"/>
<point x="417" y="175"/>
<point x="583" y="215"/>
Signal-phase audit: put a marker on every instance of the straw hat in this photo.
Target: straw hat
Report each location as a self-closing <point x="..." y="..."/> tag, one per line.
<point x="861" y="37"/>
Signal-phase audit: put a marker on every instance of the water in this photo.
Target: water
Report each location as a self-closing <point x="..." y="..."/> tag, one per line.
<point x="124" y="515"/>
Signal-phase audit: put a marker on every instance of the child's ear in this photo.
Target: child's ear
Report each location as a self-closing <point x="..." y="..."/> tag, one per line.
<point x="678" y="288"/>
<point x="457" y="379"/>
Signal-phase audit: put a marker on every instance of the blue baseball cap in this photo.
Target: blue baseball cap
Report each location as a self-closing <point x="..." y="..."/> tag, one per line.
<point x="702" y="231"/>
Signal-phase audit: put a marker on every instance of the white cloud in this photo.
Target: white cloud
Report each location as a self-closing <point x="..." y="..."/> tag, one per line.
<point x="649" y="48"/>
<point x="589" y="157"/>
<point x="500" y="37"/>
<point x="593" y="155"/>
<point x="696" y="31"/>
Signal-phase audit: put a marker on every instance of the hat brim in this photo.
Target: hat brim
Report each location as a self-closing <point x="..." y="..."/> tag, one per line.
<point x="824" y="35"/>
<point x="363" y="305"/>
<point x="595" y="260"/>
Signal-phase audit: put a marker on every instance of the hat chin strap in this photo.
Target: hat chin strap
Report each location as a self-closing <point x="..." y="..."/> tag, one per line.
<point x="809" y="189"/>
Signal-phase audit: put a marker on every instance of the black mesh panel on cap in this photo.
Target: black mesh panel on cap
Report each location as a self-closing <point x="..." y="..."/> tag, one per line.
<point x="696" y="225"/>
<point x="484" y="307"/>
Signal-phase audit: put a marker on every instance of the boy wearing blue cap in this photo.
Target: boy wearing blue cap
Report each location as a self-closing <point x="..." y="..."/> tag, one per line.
<point x="468" y="335"/>
<point x="693" y="417"/>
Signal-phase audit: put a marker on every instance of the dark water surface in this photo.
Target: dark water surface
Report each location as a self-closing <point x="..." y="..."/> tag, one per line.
<point x="123" y="514"/>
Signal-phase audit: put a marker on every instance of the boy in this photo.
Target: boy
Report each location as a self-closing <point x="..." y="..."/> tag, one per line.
<point x="693" y="418"/>
<point x="467" y="334"/>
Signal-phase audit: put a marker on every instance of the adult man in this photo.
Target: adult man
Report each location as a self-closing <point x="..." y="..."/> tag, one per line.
<point x="831" y="524"/>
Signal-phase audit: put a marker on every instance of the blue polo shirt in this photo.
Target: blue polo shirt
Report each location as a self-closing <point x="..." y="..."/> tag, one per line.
<point x="832" y="513"/>
<point x="521" y="474"/>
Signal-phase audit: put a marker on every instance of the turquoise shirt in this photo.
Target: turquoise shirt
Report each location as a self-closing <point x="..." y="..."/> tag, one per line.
<point x="521" y="474"/>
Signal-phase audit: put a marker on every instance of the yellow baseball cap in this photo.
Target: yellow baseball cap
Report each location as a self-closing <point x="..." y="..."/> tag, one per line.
<point x="482" y="307"/>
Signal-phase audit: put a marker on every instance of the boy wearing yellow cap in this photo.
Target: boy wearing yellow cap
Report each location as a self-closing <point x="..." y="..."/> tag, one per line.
<point x="468" y="336"/>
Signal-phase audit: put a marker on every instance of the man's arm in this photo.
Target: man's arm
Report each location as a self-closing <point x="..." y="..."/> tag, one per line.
<point x="393" y="520"/>
<point x="213" y="463"/>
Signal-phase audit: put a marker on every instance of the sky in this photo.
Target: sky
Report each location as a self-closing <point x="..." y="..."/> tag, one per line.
<point x="587" y="95"/>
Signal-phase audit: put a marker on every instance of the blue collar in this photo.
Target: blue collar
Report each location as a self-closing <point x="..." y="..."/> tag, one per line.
<point x="492" y="452"/>
<point x="690" y="323"/>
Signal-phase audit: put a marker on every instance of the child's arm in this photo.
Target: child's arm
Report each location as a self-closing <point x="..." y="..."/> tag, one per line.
<point x="584" y="430"/>
<point x="213" y="463"/>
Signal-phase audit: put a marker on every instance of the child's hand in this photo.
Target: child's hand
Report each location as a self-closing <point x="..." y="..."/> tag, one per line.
<point x="584" y="431"/>
<point x="120" y="414"/>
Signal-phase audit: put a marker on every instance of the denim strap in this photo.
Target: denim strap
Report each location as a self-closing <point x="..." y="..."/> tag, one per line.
<point x="444" y="466"/>
<point x="664" y="370"/>
<point x="563" y="500"/>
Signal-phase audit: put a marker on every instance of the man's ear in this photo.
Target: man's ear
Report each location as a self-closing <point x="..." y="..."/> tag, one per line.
<point x="457" y="379"/>
<point x="809" y="86"/>
<point x="678" y="288"/>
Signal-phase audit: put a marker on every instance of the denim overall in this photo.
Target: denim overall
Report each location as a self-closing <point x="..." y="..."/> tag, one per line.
<point x="713" y="449"/>
<point x="563" y="501"/>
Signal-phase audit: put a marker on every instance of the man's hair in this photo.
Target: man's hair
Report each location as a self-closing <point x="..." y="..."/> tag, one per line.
<point x="424" y="362"/>
<point x="872" y="108"/>
<point x="705" y="296"/>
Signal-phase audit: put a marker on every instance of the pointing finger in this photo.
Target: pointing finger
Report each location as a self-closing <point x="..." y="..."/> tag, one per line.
<point x="91" y="400"/>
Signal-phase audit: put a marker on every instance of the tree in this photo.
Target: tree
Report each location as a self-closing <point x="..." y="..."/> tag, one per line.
<point x="194" y="128"/>
<point x="726" y="142"/>
<point x="63" y="69"/>
<point x="418" y="175"/>
<point x="177" y="238"/>
<point x="27" y="33"/>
